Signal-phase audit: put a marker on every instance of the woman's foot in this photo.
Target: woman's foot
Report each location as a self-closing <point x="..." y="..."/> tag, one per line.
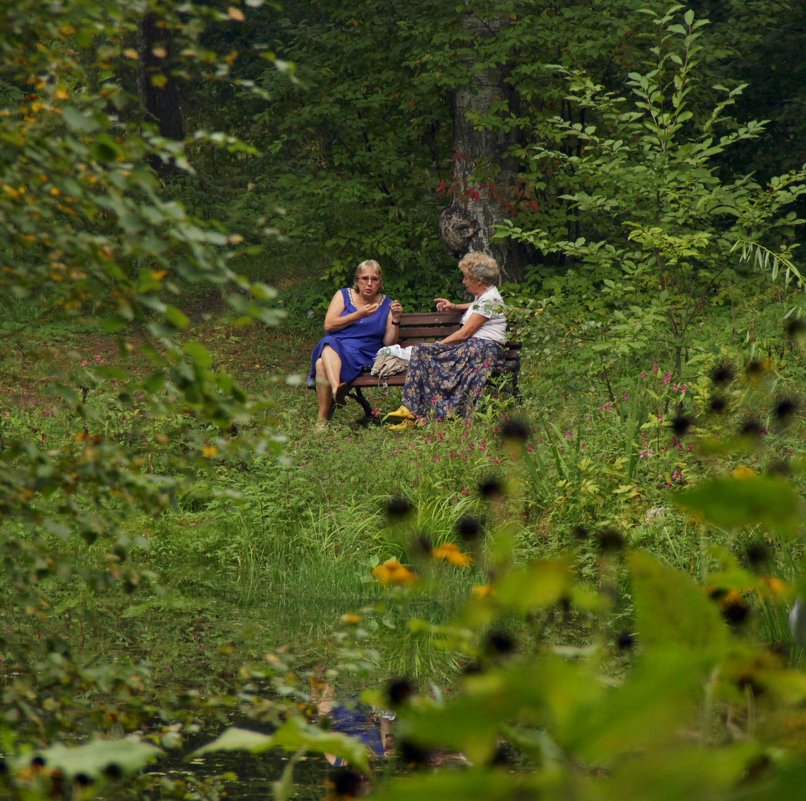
<point x="405" y="425"/>
<point x="400" y="414"/>
<point x="320" y="425"/>
<point x="340" y="395"/>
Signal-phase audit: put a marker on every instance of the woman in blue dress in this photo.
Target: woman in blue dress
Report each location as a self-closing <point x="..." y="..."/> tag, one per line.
<point x="358" y="322"/>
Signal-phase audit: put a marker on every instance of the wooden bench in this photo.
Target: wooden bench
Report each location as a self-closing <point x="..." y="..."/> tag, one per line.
<point x="418" y="327"/>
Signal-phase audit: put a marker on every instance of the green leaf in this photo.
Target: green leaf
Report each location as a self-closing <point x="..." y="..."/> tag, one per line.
<point x="78" y="121"/>
<point x="155" y="382"/>
<point x="104" y="148"/>
<point x="200" y="355"/>
<point x="97" y="756"/>
<point x="670" y="609"/>
<point x="294" y="735"/>
<point x="235" y="739"/>
<point x="176" y="317"/>
<point x="540" y="584"/>
<point x="770" y="501"/>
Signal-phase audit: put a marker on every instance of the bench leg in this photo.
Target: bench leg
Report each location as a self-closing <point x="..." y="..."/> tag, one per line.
<point x="357" y="395"/>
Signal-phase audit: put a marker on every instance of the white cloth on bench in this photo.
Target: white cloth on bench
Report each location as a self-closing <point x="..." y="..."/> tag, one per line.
<point x="396" y="350"/>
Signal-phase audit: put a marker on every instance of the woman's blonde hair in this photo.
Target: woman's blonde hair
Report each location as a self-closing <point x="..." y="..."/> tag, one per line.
<point x="480" y="267"/>
<point x="368" y="264"/>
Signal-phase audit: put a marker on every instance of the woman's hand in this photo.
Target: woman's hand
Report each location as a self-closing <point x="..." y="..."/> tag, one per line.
<point x="366" y="311"/>
<point x="444" y="305"/>
<point x="396" y="309"/>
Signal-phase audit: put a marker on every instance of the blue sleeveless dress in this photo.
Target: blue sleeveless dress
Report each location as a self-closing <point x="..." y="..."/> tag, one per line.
<point x="357" y="344"/>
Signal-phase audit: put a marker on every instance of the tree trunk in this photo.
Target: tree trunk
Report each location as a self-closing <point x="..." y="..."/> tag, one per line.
<point x="156" y="85"/>
<point x="483" y="178"/>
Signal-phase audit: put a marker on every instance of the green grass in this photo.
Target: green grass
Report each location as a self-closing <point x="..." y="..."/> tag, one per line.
<point x="286" y="546"/>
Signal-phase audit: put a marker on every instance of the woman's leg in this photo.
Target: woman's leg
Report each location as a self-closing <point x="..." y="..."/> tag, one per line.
<point x="417" y="377"/>
<point x="323" y="394"/>
<point x="331" y="364"/>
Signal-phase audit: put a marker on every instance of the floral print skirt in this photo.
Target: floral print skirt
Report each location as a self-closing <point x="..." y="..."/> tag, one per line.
<point x="446" y="380"/>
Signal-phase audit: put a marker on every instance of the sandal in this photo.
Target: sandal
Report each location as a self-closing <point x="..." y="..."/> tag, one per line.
<point x="340" y="396"/>
<point x="400" y="414"/>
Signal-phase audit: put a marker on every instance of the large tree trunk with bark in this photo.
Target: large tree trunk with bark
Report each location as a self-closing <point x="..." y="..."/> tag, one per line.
<point x="156" y="85"/>
<point x="483" y="177"/>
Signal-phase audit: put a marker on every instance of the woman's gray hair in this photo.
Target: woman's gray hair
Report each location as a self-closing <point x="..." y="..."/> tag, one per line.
<point x="481" y="267"/>
<point x="367" y="264"/>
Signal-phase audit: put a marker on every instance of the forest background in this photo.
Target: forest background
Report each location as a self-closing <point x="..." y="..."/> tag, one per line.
<point x="584" y="591"/>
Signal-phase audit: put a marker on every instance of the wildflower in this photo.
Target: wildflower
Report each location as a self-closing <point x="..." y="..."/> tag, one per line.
<point x="643" y="373"/>
<point x="611" y="540"/>
<point x="758" y="553"/>
<point x="734" y="608"/>
<point x="680" y="425"/>
<point x="208" y="451"/>
<point x="398" y="691"/>
<point x="655" y="367"/>
<point x="450" y="553"/>
<point x="482" y="590"/>
<point x="795" y="328"/>
<point x="751" y="428"/>
<point x="350" y="619"/>
<point x="581" y="533"/>
<point x="515" y="429"/>
<point x="392" y="573"/>
<point x="345" y="782"/>
<point x="667" y="378"/>
<point x="469" y="528"/>
<point x="607" y="406"/>
<point x="399" y="507"/>
<point x="742" y="472"/>
<point x="757" y="367"/>
<point x="722" y="375"/>
<point x="785" y="408"/>
<point x="499" y="642"/>
<point x="774" y="585"/>
<point x="567" y="435"/>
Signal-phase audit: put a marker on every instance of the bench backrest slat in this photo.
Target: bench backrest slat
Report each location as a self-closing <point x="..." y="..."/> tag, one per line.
<point x="431" y="318"/>
<point x="426" y="326"/>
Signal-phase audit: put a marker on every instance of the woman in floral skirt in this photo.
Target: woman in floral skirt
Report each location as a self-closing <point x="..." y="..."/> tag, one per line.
<point x="445" y="378"/>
